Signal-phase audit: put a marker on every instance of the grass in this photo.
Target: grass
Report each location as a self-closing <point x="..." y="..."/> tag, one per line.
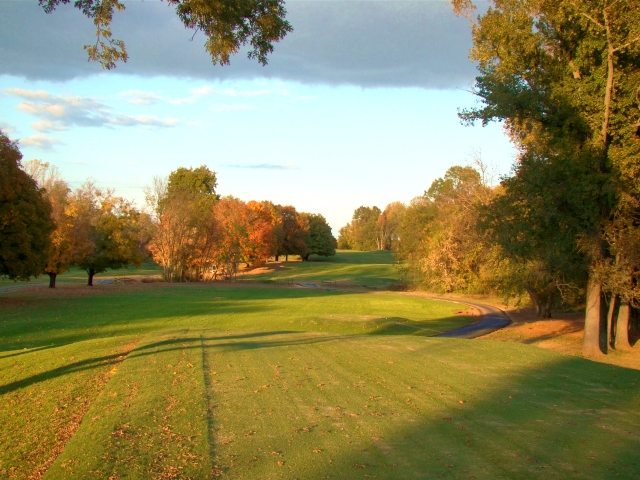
<point x="78" y="276"/>
<point x="373" y="269"/>
<point x="200" y="381"/>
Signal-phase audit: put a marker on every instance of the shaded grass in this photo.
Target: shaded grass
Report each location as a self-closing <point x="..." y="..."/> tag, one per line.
<point x="317" y="405"/>
<point x="159" y="306"/>
<point x="56" y="355"/>
<point x="78" y="276"/>
<point x="296" y="383"/>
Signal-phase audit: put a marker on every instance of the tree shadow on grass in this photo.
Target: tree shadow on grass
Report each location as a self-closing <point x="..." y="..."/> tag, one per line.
<point x="562" y="418"/>
<point x="225" y="343"/>
<point x="123" y="315"/>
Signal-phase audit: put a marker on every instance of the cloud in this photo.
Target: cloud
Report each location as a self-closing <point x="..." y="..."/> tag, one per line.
<point x="7" y="128"/>
<point x="138" y="97"/>
<point x="62" y="112"/>
<point x="363" y="43"/>
<point x="40" y="141"/>
<point x="263" y="166"/>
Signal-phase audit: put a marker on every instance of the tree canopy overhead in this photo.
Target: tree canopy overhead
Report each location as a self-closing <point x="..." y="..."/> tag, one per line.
<point x="228" y="25"/>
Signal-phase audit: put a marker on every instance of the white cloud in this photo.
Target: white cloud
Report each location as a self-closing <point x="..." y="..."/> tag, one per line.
<point x="128" y="121"/>
<point x="138" y="97"/>
<point x="40" y="141"/>
<point x="62" y="112"/>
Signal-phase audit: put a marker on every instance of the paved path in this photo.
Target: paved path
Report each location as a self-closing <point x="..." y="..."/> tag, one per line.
<point x="492" y="319"/>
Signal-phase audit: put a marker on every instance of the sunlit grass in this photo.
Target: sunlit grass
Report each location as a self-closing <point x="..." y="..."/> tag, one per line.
<point x="200" y="381"/>
<point x="374" y="269"/>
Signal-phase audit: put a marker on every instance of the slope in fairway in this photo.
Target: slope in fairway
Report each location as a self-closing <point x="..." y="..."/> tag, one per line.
<point x="373" y="269"/>
<point x="196" y="404"/>
<point x="202" y="381"/>
<point x="56" y="355"/>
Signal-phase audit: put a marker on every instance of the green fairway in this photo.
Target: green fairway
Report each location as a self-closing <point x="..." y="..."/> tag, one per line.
<point x="78" y="276"/>
<point x="206" y="381"/>
<point x="373" y="269"/>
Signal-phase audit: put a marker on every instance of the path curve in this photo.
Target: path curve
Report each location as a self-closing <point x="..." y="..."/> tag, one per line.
<point x="492" y="319"/>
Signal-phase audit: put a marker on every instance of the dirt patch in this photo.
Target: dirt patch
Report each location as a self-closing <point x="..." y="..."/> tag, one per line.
<point x="262" y="269"/>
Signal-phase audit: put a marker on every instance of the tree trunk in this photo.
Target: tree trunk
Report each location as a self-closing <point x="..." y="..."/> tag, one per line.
<point x="92" y="272"/>
<point x="591" y="339"/>
<point x="535" y="300"/>
<point x="609" y="328"/>
<point x="52" y="279"/>
<point x="621" y="341"/>
<point x="286" y="257"/>
<point x="277" y="257"/>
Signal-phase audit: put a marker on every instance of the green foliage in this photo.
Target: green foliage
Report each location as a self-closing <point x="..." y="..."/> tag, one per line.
<point x="25" y="218"/>
<point x="320" y="240"/>
<point x="295" y="228"/>
<point x="363" y="232"/>
<point x="107" y="229"/>
<point x="227" y="24"/>
<point x="563" y="76"/>
<point x="440" y="246"/>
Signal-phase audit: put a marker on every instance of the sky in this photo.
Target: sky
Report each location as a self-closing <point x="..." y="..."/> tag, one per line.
<point x="357" y="106"/>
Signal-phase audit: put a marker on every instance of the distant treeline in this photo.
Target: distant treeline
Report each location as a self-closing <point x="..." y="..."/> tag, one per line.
<point x="45" y="227"/>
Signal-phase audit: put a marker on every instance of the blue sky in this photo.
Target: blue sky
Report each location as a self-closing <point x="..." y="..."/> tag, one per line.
<point x="323" y="133"/>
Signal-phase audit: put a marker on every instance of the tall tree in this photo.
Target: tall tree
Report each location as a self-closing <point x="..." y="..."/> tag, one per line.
<point x="106" y="230"/>
<point x="389" y="224"/>
<point x="25" y="217"/>
<point x="227" y="24"/>
<point x="563" y="75"/>
<point x="320" y="240"/>
<point x="295" y="229"/>
<point x="185" y="234"/>
<point x="61" y="249"/>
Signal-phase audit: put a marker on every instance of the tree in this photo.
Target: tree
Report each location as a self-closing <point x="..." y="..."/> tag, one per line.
<point x="61" y="249"/>
<point x="294" y="228"/>
<point x="450" y="250"/>
<point x="563" y="75"/>
<point x="227" y="24"/>
<point x="320" y="240"/>
<point x="106" y="230"/>
<point x="389" y="224"/>
<point x="363" y="232"/>
<point x="185" y="234"/>
<point x="25" y="217"/>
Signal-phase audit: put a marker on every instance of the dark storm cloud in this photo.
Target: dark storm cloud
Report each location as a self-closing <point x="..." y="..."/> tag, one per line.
<point x="369" y="44"/>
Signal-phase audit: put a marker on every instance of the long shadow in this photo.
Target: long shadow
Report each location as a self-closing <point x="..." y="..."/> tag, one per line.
<point x="88" y="314"/>
<point x="78" y="366"/>
<point x="229" y="344"/>
<point x="568" y="419"/>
